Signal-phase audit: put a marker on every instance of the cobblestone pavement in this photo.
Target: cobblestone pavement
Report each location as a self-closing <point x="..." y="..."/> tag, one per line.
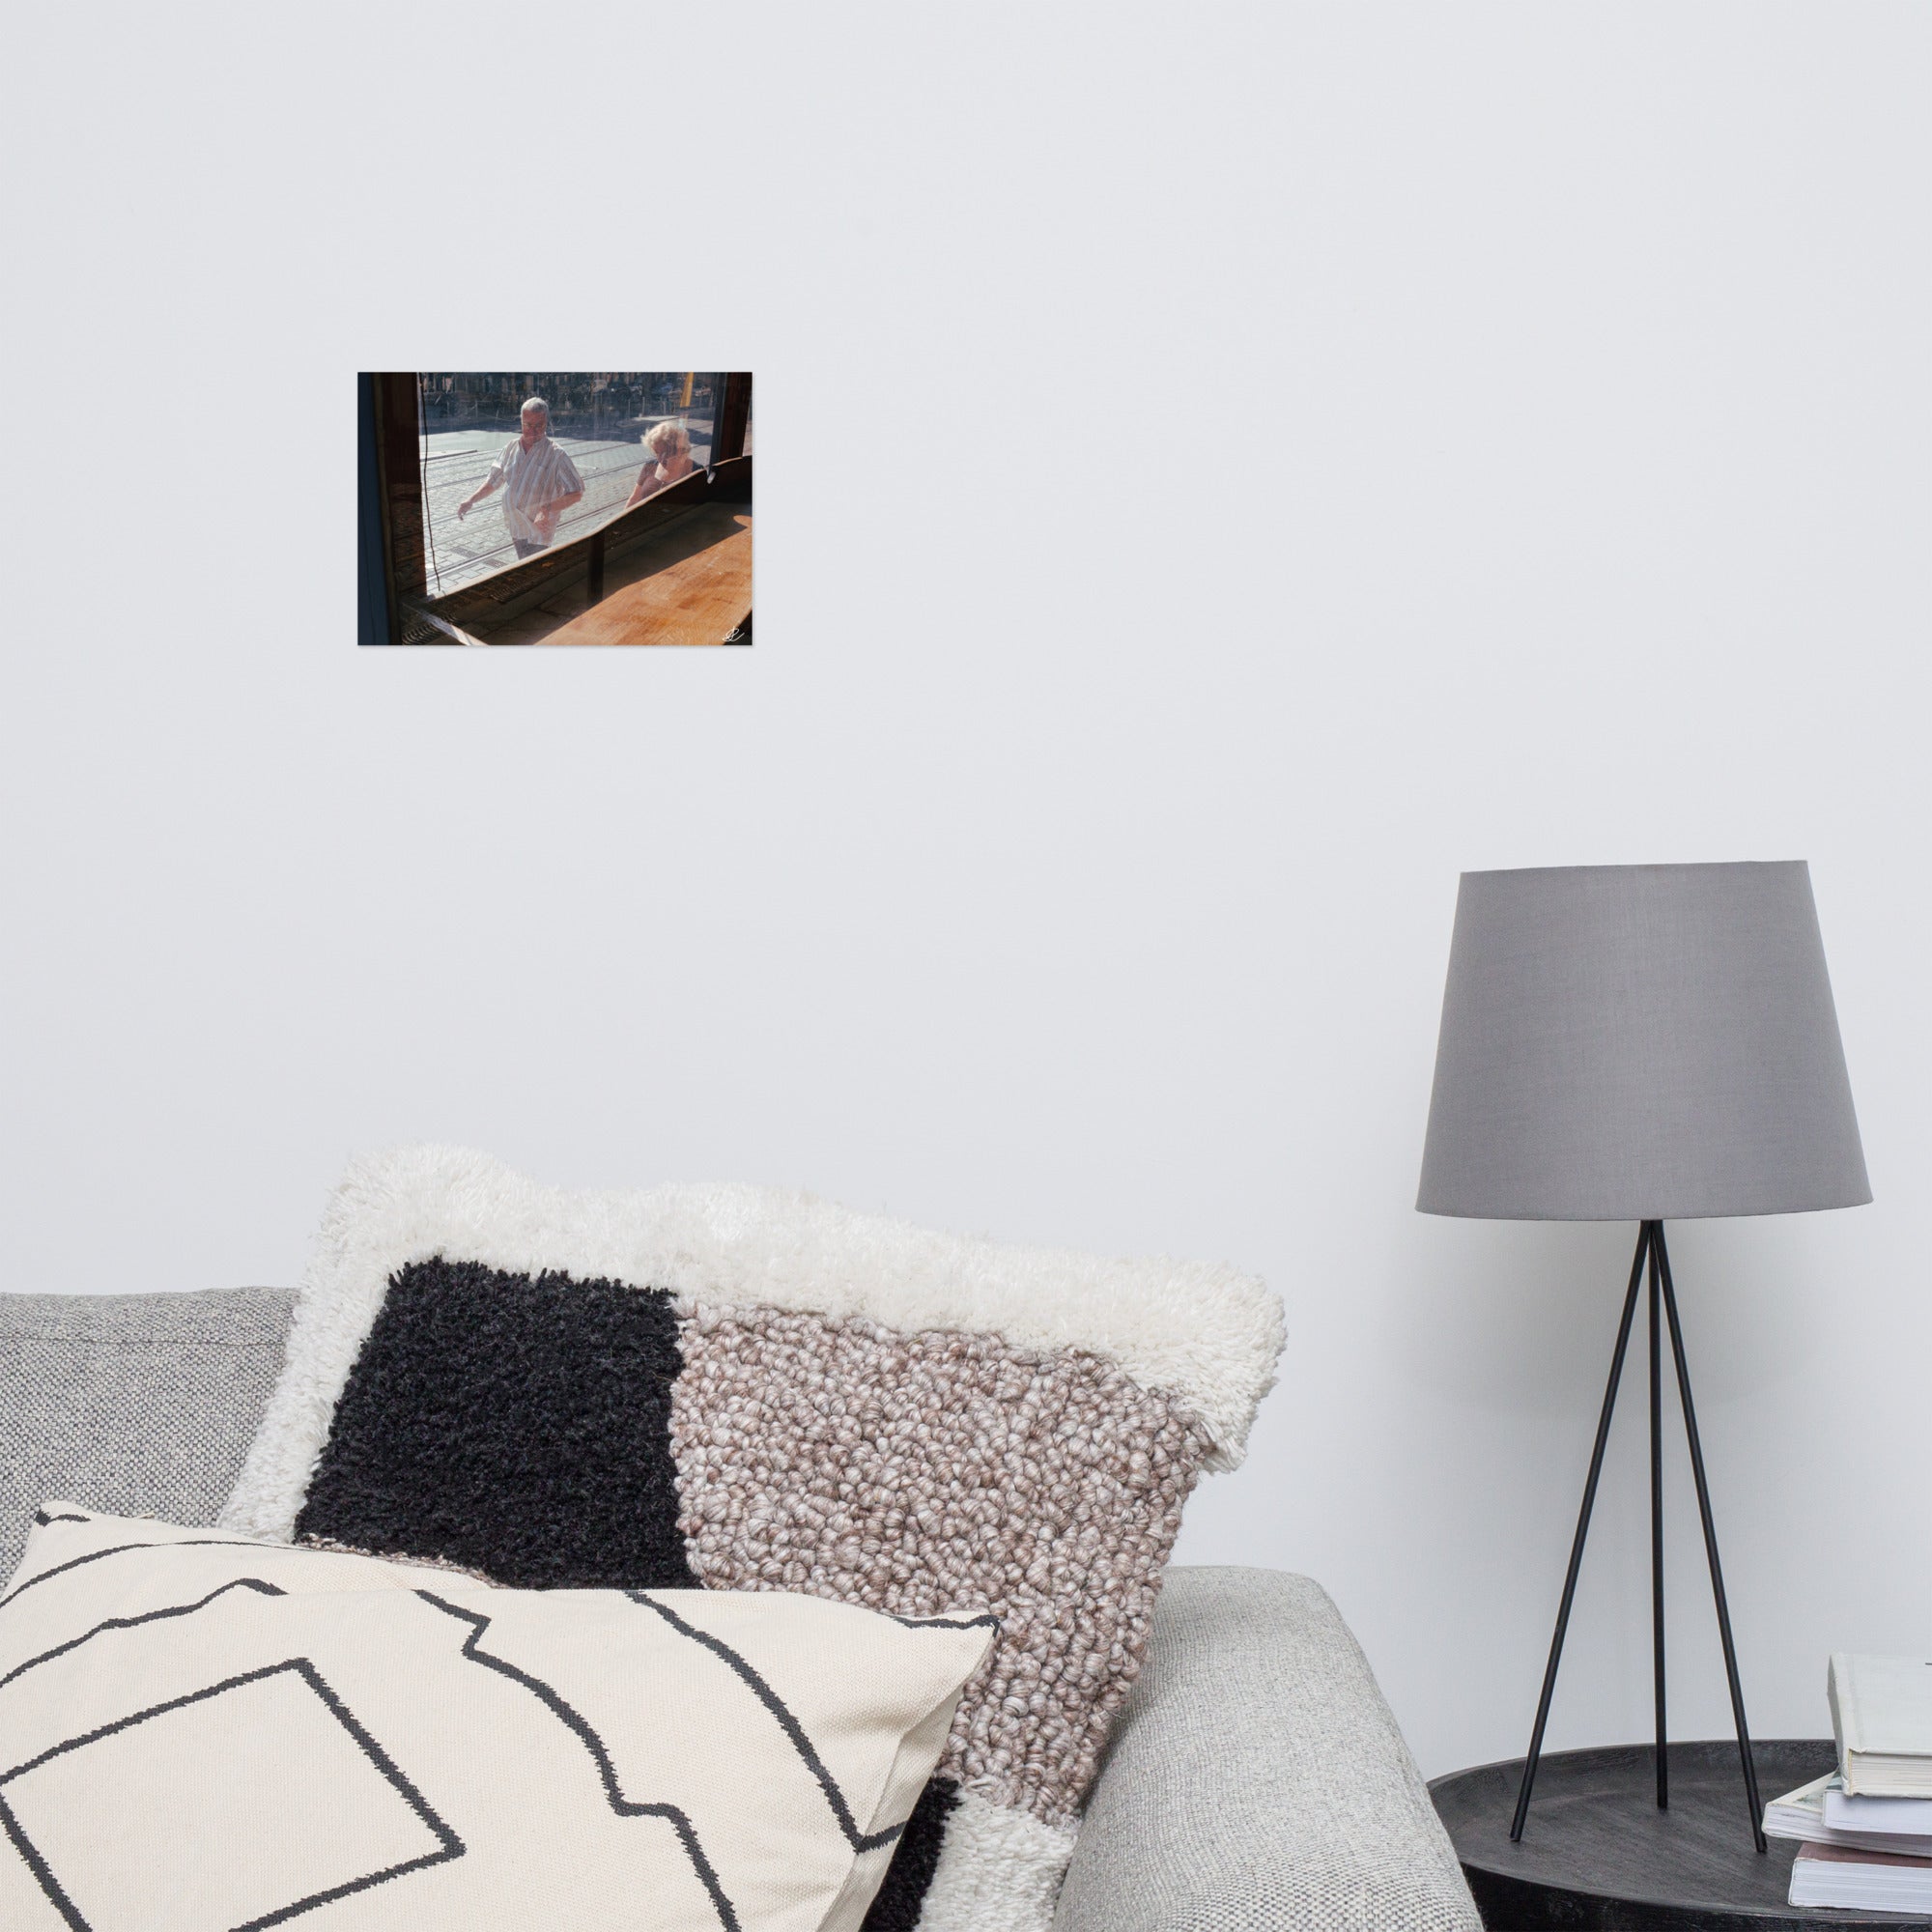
<point x="456" y="461"/>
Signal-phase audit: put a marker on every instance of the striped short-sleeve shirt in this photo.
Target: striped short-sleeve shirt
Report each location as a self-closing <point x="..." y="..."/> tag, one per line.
<point x="531" y="479"/>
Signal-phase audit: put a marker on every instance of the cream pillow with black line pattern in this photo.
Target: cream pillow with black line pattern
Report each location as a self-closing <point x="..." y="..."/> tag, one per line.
<point x="201" y="1732"/>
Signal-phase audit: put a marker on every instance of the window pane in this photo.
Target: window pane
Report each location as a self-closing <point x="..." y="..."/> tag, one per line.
<point x="471" y="422"/>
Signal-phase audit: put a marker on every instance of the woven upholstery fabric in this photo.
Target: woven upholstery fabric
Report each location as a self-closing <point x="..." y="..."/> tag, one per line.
<point x="138" y="1405"/>
<point x="1257" y="1781"/>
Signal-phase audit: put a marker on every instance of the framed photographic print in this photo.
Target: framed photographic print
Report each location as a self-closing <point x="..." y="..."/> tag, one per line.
<point x="561" y="508"/>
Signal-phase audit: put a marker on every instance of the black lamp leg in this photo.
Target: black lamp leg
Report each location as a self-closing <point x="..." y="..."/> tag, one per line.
<point x="1583" y="1531"/>
<point x="1651" y="1249"/>
<point x="1710" y="1541"/>
<point x="1657" y="1518"/>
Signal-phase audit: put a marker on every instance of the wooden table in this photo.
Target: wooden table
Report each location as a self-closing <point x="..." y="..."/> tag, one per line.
<point x="688" y="581"/>
<point x="1598" y="1855"/>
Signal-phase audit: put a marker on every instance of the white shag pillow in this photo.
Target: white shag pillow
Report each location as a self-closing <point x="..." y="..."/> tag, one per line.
<point x="201" y="1732"/>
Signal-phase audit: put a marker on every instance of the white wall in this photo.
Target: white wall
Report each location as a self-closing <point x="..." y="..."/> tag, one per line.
<point x="1222" y="472"/>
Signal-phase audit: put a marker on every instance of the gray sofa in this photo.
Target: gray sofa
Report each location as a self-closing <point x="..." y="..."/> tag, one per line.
<point x="1256" y="1779"/>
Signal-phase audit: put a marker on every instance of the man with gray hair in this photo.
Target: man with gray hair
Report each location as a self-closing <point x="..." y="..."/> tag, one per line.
<point x="538" y="480"/>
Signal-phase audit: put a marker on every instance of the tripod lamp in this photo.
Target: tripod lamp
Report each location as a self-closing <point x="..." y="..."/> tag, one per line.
<point x="1640" y="1043"/>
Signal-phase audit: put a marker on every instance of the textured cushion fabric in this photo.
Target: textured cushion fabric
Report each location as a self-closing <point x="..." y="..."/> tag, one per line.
<point x="750" y="1389"/>
<point x="142" y="1404"/>
<point x="1257" y="1781"/>
<point x="514" y="1426"/>
<point x="200" y="1731"/>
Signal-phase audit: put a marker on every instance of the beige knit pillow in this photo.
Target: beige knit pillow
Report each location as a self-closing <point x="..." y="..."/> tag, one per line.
<point x="200" y="1733"/>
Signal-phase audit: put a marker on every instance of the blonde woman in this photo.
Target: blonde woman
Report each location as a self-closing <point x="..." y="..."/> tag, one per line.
<point x="670" y="446"/>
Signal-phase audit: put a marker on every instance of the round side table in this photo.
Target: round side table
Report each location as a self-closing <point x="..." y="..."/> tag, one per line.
<point x="1598" y="1855"/>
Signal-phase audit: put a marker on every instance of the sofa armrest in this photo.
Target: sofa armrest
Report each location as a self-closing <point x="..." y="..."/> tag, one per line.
<point x="1257" y="1779"/>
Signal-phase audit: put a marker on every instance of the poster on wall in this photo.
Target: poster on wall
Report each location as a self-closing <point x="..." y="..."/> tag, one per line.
<point x="501" y="508"/>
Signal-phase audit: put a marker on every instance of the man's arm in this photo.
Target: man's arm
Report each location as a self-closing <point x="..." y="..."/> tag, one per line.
<point x="545" y="517"/>
<point x="477" y="495"/>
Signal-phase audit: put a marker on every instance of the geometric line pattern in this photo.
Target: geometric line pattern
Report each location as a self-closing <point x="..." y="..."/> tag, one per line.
<point x="901" y="1896"/>
<point x="574" y="1721"/>
<point x="450" y="1846"/>
<point x="121" y="1549"/>
<point x="254" y="1583"/>
<point x="860" y="1842"/>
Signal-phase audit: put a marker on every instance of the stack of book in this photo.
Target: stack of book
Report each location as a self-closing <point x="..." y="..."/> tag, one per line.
<point x="1865" y="1830"/>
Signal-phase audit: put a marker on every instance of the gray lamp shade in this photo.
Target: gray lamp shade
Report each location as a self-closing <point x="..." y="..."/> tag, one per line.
<point x="1639" y="1042"/>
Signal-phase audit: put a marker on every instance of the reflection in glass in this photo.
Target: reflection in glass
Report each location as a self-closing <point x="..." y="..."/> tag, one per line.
<point x="621" y="437"/>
